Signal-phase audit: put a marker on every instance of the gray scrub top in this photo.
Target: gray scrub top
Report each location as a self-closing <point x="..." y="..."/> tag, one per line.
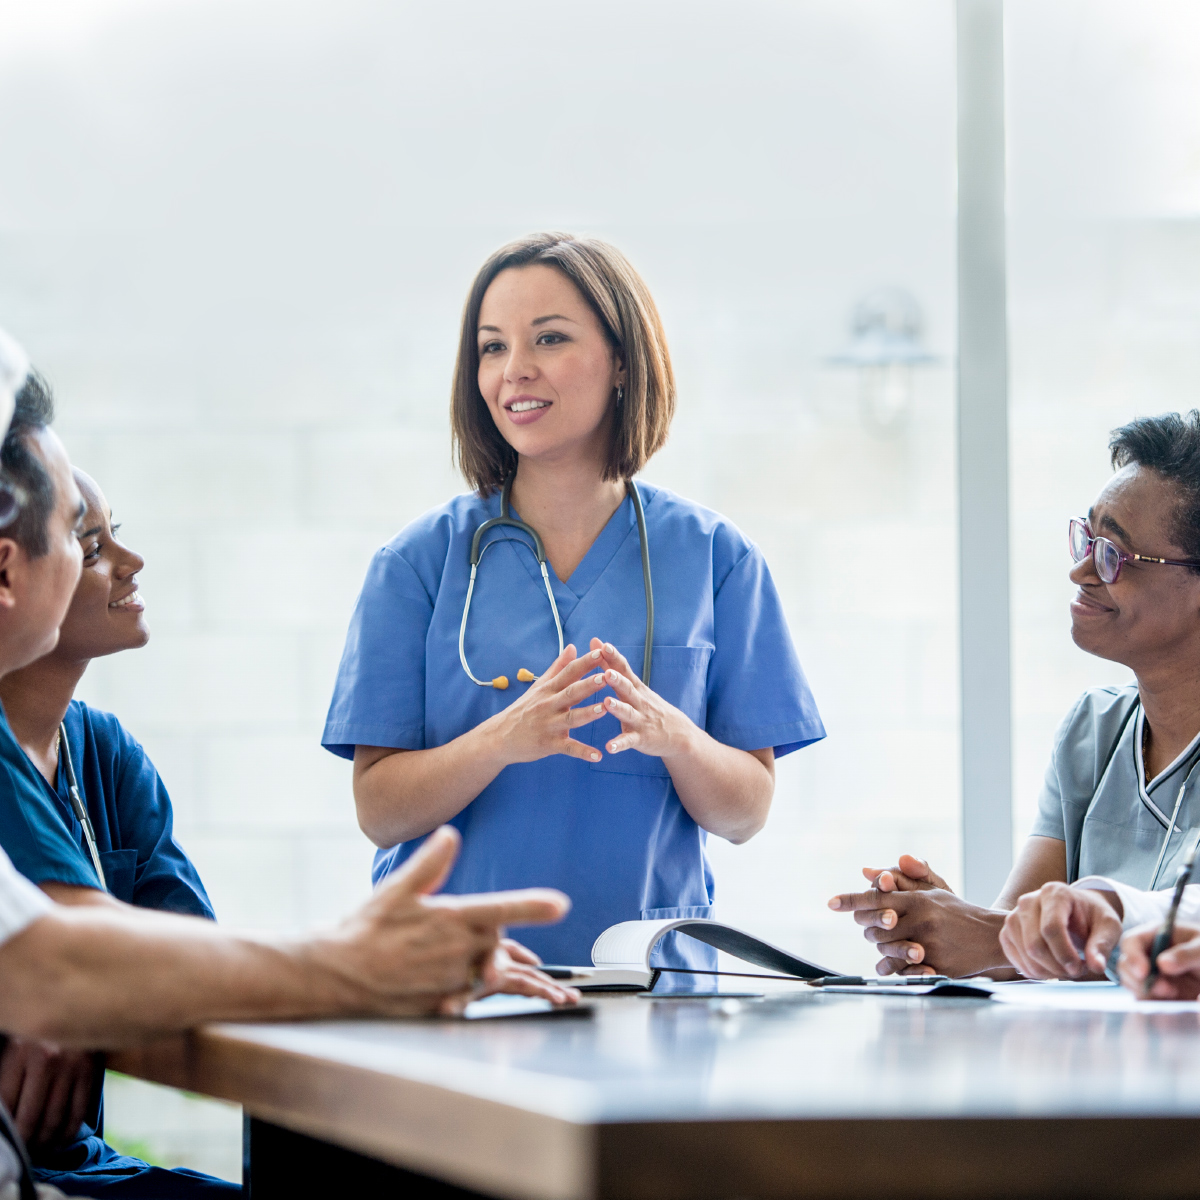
<point x="1115" y="825"/>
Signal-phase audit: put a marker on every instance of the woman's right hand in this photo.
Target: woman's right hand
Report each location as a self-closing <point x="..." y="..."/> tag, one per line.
<point x="405" y="794"/>
<point x="1178" y="975"/>
<point x="539" y="723"/>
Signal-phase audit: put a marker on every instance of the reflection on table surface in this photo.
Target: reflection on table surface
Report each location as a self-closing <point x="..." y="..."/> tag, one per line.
<point x="796" y="1052"/>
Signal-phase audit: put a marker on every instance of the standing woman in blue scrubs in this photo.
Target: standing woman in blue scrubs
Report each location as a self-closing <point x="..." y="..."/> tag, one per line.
<point x="582" y="777"/>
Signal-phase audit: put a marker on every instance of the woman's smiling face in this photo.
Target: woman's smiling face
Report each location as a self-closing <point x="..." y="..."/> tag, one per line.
<point x="106" y="614"/>
<point x="547" y="370"/>
<point x="1151" y="614"/>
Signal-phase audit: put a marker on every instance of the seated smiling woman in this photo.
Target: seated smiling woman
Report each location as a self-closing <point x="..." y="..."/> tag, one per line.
<point x="1122" y="788"/>
<point x="55" y="1096"/>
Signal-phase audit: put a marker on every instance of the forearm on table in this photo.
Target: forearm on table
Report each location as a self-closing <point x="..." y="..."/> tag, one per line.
<point x="406" y="794"/>
<point x="726" y="791"/>
<point x="101" y="977"/>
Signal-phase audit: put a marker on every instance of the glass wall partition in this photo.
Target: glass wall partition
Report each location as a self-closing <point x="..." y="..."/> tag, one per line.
<point x="1104" y="262"/>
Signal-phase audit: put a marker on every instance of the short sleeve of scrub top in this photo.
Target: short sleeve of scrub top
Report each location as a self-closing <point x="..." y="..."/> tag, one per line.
<point x="33" y="833"/>
<point x="613" y="835"/>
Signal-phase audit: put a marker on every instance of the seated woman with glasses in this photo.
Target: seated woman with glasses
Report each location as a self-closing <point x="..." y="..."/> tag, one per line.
<point x="125" y="850"/>
<point x="1122" y="790"/>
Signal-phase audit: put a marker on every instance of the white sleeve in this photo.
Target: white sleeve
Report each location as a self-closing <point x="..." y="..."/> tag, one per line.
<point x="20" y="905"/>
<point x="1142" y="908"/>
<point x="20" y="902"/>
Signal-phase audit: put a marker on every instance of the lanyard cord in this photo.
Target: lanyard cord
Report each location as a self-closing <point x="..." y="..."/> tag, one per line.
<point x="81" y="812"/>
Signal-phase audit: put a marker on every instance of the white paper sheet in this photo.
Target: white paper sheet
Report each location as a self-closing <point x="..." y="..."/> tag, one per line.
<point x="1088" y="997"/>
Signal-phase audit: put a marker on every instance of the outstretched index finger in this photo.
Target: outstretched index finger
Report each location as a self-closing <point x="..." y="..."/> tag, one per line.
<point x="530" y="906"/>
<point x="862" y="901"/>
<point x="427" y="869"/>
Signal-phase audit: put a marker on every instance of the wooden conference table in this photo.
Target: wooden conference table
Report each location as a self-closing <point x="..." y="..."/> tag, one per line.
<point x="798" y="1094"/>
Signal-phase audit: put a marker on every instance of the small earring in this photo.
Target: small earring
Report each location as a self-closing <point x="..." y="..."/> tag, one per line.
<point x="620" y="396"/>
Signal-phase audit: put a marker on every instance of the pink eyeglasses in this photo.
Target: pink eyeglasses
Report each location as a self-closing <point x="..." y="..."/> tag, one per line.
<point x="1107" y="559"/>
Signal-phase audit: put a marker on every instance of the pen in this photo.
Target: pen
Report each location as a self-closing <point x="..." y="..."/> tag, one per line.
<point x="1166" y="932"/>
<point x="859" y="981"/>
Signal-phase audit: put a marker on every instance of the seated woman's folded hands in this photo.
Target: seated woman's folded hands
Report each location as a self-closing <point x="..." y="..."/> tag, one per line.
<point x="920" y="926"/>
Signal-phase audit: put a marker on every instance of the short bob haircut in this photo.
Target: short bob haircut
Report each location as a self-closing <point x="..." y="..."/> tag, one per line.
<point x="622" y="302"/>
<point x="1169" y="445"/>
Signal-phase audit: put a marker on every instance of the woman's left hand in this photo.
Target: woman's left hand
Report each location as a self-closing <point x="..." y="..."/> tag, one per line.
<point x="648" y="722"/>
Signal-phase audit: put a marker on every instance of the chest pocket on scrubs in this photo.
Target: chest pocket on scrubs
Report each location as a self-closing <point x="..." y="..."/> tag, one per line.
<point x="120" y="873"/>
<point x="679" y="674"/>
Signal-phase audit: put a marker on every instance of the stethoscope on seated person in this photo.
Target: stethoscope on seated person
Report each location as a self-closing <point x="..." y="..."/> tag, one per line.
<point x="81" y="812"/>
<point x="524" y="675"/>
<point x="1162" y="854"/>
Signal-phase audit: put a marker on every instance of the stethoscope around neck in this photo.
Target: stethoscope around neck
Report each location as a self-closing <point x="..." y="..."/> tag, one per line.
<point x="524" y="675"/>
<point x="1073" y="868"/>
<point x="1162" y="854"/>
<point x="1183" y="787"/>
<point x="77" y="804"/>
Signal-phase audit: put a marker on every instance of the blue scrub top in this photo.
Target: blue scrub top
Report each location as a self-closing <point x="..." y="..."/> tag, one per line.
<point x="613" y="835"/>
<point x="143" y="865"/>
<point x="129" y="808"/>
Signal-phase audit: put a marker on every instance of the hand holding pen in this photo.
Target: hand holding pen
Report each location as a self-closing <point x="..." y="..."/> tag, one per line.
<point x="1163" y="962"/>
<point x="1165" y="936"/>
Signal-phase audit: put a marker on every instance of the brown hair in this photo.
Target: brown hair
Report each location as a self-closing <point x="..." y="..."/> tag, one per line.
<point x="625" y="308"/>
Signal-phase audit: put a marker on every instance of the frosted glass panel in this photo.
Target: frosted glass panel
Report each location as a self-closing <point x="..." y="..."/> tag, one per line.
<point x="1104" y="259"/>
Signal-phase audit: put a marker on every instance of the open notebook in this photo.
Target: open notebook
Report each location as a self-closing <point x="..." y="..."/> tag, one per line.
<point x="621" y="955"/>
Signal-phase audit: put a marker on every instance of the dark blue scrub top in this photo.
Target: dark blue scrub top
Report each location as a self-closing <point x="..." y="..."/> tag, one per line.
<point x="130" y="811"/>
<point x="143" y="865"/>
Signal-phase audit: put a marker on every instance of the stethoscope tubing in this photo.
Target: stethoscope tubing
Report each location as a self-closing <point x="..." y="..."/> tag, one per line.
<point x="1162" y="854"/>
<point x="81" y="812"/>
<point x="539" y="549"/>
<point x="647" y="581"/>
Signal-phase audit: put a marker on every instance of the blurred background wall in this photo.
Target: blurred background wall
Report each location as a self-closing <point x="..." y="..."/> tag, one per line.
<point x="236" y="236"/>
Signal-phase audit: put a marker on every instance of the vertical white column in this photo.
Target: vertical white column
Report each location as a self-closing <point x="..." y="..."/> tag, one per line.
<point x="983" y="451"/>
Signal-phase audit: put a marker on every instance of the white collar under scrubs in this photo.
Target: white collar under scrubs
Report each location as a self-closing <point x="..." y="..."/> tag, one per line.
<point x="613" y="835"/>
